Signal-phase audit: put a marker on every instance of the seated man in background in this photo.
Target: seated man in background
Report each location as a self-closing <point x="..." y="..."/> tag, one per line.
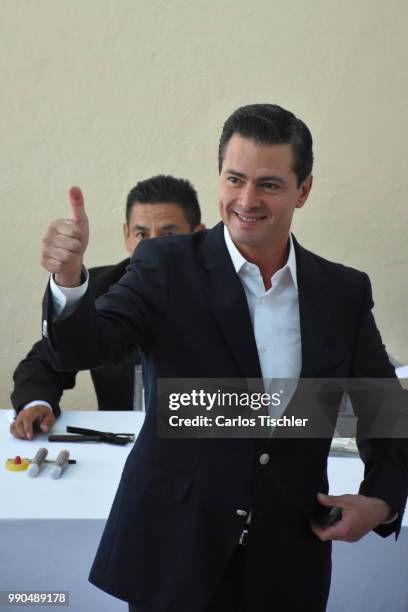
<point x="159" y="206"/>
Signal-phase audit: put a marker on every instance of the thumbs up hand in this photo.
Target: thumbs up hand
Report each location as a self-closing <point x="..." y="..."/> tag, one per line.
<point x="65" y="241"/>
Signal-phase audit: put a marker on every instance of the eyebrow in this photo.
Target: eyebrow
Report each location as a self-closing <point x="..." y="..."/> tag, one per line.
<point x="169" y="226"/>
<point x="272" y="177"/>
<point x="143" y="228"/>
<point x="140" y="228"/>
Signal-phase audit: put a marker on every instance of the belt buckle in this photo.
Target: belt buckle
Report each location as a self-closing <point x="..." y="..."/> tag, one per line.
<point x="243" y="540"/>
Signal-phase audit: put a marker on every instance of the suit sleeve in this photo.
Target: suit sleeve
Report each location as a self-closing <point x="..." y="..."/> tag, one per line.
<point x="381" y="408"/>
<point x="121" y="321"/>
<point x="36" y="379"/>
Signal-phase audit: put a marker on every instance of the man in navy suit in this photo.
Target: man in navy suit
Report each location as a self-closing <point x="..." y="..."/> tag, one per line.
<point x="228" y="524"/>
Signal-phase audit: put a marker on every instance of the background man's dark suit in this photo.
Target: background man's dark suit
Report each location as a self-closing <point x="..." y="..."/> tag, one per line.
<point x="35" y="378"/>
<point x="174" y="524"/>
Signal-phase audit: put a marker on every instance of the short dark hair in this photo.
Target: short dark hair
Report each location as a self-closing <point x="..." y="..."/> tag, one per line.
<point x="271" y="124"/>
<point x="168" y="189"/>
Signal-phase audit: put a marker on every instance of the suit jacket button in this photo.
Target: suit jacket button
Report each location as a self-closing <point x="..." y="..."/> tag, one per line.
<point x="242" y="513"/>
<point x="45" y="329"/>
<point x="264" y="459"/>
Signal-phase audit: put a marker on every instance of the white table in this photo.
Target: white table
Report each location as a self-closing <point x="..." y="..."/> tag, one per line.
<point x="50" y="529"/>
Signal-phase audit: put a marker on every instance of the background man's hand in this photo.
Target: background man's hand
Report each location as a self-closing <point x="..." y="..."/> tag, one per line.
<point x="65" y="241"/>
<point x="360" y="514"/>
<point x="23" y="426"/>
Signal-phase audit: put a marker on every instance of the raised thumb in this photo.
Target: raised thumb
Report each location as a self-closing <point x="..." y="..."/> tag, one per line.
<point x="76" y="200"/>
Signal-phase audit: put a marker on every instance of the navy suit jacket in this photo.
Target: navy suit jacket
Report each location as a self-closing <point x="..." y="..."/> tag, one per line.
<point x="174" y="524"/>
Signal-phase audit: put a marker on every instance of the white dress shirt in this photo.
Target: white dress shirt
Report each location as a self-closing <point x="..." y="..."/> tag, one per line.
<point x="274" y="313"/>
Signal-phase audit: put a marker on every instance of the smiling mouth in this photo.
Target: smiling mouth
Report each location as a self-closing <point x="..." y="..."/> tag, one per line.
<point x="246" y="219"/>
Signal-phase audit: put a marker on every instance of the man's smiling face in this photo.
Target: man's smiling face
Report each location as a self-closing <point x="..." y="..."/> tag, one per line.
<point x="258" y="194"/>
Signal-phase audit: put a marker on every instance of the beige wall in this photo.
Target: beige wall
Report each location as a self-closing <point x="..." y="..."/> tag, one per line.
<point x="103" y="93"/>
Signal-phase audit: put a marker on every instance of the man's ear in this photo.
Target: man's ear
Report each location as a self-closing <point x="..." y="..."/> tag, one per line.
<point x="304" y="191"/>
<point x="125" y="234"/>
<point x="199" y="227"/>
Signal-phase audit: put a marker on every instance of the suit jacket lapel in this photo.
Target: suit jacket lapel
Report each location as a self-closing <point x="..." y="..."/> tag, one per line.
<point x="315" y="311"/>
<point x="228" y="304"/>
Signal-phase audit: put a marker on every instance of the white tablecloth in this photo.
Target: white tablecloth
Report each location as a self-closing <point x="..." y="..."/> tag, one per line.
<point x="50" y="529"/>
